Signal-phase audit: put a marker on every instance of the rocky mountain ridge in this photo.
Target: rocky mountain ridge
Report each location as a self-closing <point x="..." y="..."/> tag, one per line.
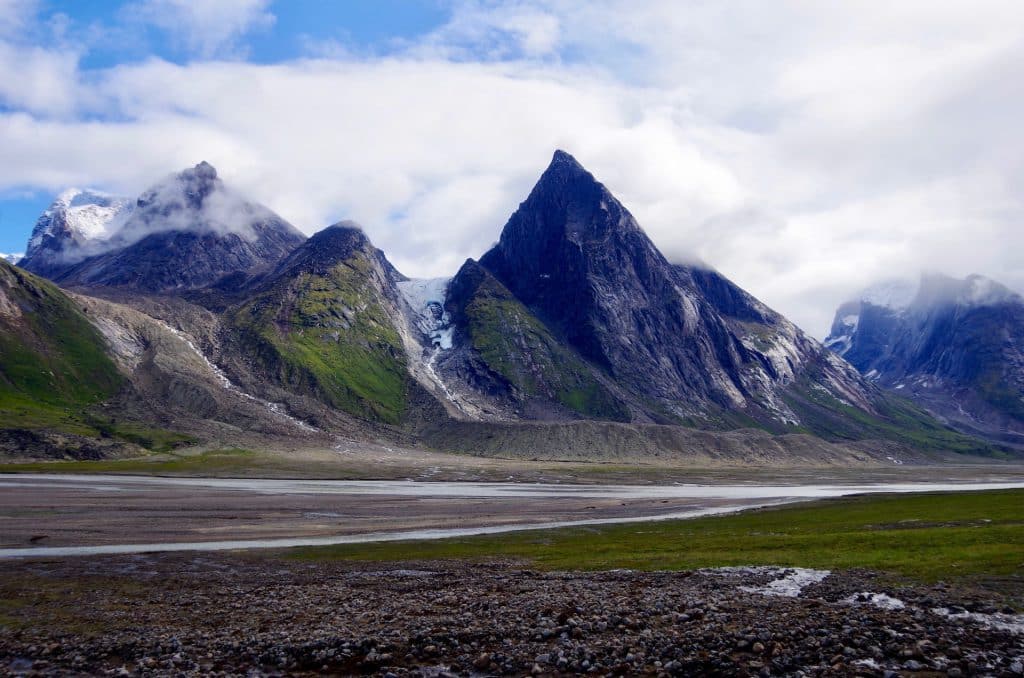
<point x="210" y="302"/>
<point x="956" y="346"/>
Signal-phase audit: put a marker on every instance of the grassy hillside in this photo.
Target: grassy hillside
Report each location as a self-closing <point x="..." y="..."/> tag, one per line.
<point x="516" y="345"/>
<point x="53" y="362"/>
<point x="55" y="373"/>
<point x="328" y="334"/>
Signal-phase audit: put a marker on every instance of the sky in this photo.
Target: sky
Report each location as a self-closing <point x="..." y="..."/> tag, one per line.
<point x="804" y="148"/>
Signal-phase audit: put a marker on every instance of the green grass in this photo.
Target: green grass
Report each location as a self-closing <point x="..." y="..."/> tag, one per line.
<point x="55" y="370"/>
<point x="53" y="362"/>
<point x="329" y="335"/>
<point x="209" y="462"/>
<point x="925" y="537"/>
<point x="516" y="345"/>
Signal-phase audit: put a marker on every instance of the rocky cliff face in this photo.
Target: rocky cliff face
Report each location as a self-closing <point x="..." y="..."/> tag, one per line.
<point x="681" y="344"/>
<point x="185" y="233"/>
<point x="955" y="346"/>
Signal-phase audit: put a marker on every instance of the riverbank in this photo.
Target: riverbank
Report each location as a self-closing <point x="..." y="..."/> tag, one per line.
<point x="860" y="585"/>
<point x="68" y="515"/>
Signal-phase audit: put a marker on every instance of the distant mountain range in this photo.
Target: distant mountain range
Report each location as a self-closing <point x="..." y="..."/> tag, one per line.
<point x="220" y="317"/>
<point x="954" y="346"/>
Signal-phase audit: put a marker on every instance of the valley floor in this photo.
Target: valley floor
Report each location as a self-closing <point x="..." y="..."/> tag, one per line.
<point x="927" y="583"/>
<point x="362" y="460"/>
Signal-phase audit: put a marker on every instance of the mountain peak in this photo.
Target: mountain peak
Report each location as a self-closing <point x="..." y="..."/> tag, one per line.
<point x="327" y="248"/>
<point x="203" y="170"/>
<point x="564" y="159"/>
<point x="564" y="170"/>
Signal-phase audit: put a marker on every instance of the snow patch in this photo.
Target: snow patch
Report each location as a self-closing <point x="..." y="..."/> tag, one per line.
<point x="879" y="600"/>
<point x="1014" y="623"/>
<point x="789" y="582"/>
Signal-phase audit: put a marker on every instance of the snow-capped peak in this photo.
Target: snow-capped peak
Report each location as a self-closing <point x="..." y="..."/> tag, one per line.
<point x="81" y="215"/>
<point x="11" y="258"/>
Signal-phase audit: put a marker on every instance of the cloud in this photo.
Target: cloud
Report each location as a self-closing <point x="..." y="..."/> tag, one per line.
<point x="16" y="15"/>
<point x="489" y="30"/>
<point x="208" y="28"/>
<point x="804" y="149"/>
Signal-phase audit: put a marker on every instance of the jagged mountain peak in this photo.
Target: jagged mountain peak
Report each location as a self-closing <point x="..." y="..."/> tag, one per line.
<point x="188" y="231"/>
<point x="569" y="202"/>
<point x="683" y="341"/>
<point x="565" y="165"/>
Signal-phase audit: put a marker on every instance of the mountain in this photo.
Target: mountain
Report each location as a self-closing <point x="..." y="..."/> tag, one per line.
<point x="223" y="321"/>
<point x="638" y="338"/>
<point x="51" y="357"/>
<point x="54" y="365"/>
<point x="954" y="346"/>
<point x="327" y="322"/>
<point x="75" y="224"/>
<point x="185" y="233"/>
<point x="575" y="314"/>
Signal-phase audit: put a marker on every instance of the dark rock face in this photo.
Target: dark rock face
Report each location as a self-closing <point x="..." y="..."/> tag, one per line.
<point x="957" y="348"/>
<point x="682" y="339"/>
<point x="183" y="234"/>
<point x="327" y="248"/>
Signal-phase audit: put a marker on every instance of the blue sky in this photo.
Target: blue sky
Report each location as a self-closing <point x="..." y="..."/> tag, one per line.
<point x="805" y="149"/>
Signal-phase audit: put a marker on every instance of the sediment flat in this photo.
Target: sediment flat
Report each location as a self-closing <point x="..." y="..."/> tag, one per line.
<point x="53" y="515"/>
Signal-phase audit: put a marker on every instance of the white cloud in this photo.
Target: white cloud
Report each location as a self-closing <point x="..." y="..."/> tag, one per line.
<point x="207" y="28"/>
<point x="802" y="148"/>
<point x="15" y="15"/>
<point x="485" y="29"/>
<point x="38" y="80"/>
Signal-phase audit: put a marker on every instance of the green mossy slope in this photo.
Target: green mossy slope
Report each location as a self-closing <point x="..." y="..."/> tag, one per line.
<point x="53" y="362"/>
<point x="324" y="330"/>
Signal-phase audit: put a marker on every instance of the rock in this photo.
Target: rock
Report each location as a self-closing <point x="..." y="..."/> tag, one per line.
<point x="483" y="661"/>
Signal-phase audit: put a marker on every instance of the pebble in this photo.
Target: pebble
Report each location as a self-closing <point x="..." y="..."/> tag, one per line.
<point x="190" y="616"/>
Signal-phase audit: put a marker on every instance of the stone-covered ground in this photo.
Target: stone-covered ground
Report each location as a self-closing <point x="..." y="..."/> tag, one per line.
<point x="256" y="615"/>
